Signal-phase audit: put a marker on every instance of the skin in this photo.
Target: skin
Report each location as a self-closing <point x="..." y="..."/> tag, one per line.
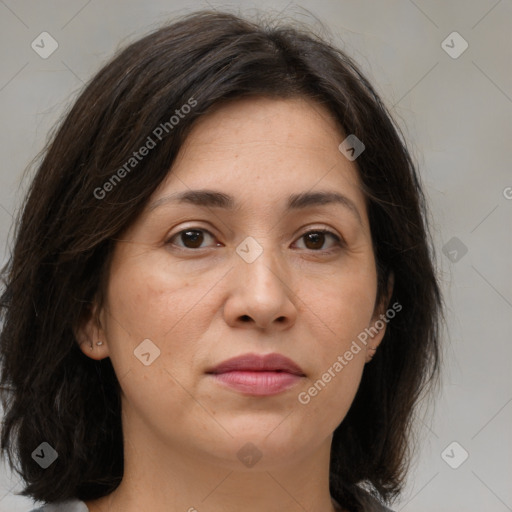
<point x="200" y="306"/>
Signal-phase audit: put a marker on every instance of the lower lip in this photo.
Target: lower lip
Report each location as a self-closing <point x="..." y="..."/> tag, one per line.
<point x="258" y="383"/>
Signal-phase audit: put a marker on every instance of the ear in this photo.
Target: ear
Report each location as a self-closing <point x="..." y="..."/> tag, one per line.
<point x="90" y="334"/>
<point x="377" y="327"/>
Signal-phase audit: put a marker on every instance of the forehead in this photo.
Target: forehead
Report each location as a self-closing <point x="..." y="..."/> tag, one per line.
<point x="293" y="117"/>
<point x="259" y="142"/>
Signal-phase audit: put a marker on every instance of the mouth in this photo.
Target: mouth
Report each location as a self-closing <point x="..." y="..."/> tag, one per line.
<point x="258" y="375"/>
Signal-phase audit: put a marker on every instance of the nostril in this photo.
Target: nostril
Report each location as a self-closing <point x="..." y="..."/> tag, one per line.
<point x="245" y="318"/>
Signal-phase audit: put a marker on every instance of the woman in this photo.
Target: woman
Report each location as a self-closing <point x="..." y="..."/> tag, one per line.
<point x="221" y="293"/>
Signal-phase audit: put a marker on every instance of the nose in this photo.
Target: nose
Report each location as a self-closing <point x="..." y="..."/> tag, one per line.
<point x="261" y="294"/>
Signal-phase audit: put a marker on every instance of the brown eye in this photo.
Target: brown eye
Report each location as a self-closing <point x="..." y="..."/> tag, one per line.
<point x="315" y="240"/>
<point x="190" y="238"/>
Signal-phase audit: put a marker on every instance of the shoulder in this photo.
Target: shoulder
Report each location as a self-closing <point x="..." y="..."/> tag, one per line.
<point x="63" y="506"/>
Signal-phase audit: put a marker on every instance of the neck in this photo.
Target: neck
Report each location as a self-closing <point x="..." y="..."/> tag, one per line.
<point x="170" y="479"/>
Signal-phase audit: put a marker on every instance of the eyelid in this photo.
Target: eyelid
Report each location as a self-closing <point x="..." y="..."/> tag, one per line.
<point x="189" y="228"/>
<point x="340" y="241"/>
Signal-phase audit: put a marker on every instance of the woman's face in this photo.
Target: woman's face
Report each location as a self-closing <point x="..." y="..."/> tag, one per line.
<point x="230" y="270"/>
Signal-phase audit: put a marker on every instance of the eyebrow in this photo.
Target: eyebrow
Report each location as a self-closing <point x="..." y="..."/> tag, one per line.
<point x="214" y="199"/>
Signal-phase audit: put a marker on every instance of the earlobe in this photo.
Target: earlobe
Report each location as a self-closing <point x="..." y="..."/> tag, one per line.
<point x="94" y="350"/>
<point x="370" y="352"/>
<point x="90" y="335"/>
<point x="378" y="329"/>
<point x="379" y="321"/>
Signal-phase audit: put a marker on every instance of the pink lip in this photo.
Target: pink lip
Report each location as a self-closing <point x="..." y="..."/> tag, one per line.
<point x="258" y="375"/>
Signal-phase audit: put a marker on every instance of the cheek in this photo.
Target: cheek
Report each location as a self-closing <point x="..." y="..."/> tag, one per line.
<point x="338" y="312"/>
<point x="330" y="393"/>
<point x="173" y="309"/>
<point x="155" y="310"/>
<point x="149" y="304"/>
<point x="343" y="304"/>
<point x="151" y="301"/>
<point x="339" y="358"/>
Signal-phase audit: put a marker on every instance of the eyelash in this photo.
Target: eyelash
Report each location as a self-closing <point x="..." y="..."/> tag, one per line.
<point x="339" y="242"/>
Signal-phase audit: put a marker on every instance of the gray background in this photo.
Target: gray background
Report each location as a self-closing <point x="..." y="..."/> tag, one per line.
<point x="456" y="114"/>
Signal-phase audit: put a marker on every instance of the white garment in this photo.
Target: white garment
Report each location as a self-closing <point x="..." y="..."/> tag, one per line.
<point x="63" y="506"/>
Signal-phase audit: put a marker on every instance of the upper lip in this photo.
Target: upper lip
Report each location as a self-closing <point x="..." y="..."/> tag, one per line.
<point x="258" y="362"/>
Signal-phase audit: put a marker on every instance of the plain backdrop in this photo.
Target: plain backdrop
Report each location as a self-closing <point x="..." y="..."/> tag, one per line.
<point x="454" y="105"/>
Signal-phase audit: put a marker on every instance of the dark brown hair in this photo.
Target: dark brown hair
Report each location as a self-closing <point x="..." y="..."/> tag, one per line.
<point x="65" y="235"/>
